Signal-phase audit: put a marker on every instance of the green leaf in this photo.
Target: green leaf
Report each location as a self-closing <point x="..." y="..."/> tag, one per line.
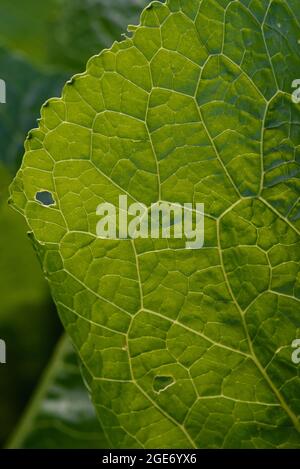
<point x="52" y="421"/>
<point x="184" y="348"/>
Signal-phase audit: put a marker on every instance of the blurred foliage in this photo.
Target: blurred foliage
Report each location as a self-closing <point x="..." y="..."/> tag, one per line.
<point x="65" y="33"/>
<point x="25" y="26"/>
<point x="52" y="420"/>
<point x="40" y="43"/>
<point x="26" y="89"/>
<point x="28" y="322"/>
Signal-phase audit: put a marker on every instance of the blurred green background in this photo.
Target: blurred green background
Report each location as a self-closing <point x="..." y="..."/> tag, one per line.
<point x="41" y="45"/>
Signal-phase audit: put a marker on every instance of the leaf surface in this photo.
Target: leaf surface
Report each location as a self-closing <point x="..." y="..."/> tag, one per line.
<point x="183" y="348"/>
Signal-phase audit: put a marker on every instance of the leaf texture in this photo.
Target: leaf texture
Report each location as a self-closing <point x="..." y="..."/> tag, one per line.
<point x="182" y="348"/>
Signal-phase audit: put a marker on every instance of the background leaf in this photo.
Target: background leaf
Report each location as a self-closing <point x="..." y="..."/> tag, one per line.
<point x="26" y="88"/>
<point x="26" y="312"/>
<point x="52" y="421"/>
<point x="63" y="34"/>
<point x="24" y="294"/>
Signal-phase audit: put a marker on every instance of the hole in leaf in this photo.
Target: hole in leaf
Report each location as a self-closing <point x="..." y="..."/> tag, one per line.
<point x="45" y="198"/>
<point x="160" y="383"/>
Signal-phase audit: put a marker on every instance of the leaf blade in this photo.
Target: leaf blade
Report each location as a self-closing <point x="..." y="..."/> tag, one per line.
<point x="149" y="310"/>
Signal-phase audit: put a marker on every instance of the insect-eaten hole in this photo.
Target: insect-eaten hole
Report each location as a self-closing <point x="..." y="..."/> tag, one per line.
<point x="45" y="198"/>
<point x="160" y="383"/>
